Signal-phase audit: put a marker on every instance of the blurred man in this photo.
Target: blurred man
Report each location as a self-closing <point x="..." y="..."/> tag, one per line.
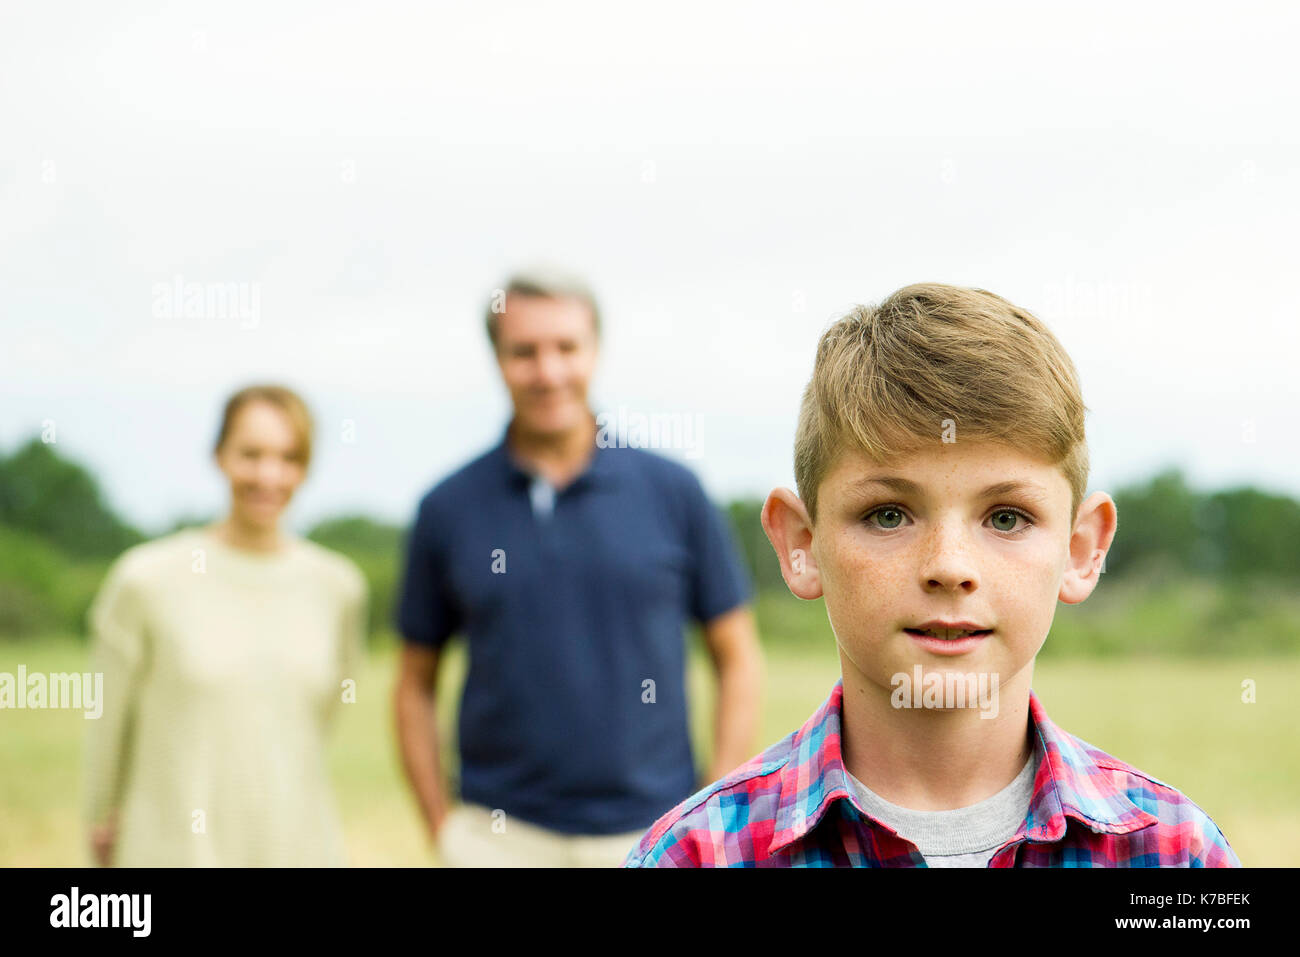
<point x="571" y="566"/>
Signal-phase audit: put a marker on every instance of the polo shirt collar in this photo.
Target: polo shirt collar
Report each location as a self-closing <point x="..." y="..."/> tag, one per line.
<point x="599" y="471"/>
<point x="1069" y="782"/>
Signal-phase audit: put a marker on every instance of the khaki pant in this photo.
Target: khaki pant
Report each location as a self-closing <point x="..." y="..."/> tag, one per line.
<point x="475" y="836"/>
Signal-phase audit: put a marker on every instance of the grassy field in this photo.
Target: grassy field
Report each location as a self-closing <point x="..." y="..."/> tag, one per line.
<point x="1182" y="721"/>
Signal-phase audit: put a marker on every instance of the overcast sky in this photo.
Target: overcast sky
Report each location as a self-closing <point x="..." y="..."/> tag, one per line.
<point x="731" y="177"/>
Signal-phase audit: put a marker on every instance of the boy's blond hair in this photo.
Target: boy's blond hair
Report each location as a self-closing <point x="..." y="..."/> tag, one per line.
<point x="932" y="362"/>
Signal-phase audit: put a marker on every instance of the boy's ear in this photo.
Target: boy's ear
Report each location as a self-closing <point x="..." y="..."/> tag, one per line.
<point x="1093" y="532"/>
<point x="785" y="520"/>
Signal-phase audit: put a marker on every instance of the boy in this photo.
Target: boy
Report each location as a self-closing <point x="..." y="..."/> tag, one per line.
<point x="941" y="464"/>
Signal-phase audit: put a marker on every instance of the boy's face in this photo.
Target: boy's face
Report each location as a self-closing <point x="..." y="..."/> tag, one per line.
<point x="892" y="557"/>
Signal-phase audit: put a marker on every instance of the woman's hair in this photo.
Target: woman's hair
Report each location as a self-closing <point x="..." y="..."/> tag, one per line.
<point x="939" y="363"/>
<point x="284" y="399"/>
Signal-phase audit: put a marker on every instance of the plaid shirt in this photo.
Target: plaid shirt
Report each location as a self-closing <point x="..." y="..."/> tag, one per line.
<point x="792" y="806"/>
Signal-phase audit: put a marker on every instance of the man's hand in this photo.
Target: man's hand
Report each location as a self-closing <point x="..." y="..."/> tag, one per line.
<point x="417" y="735"/>
<point x="732" y="641"/>
<point x="436" y="813"/>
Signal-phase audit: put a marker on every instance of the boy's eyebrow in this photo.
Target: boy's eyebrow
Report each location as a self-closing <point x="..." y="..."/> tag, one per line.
<point x="907" y="487"/>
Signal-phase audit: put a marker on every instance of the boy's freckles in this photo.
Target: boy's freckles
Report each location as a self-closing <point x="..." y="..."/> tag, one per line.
<point x="891" y="558"/>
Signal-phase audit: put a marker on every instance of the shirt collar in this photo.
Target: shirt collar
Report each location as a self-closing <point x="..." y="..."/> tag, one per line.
<point x="1069" y="782"/>
<point x="599" y="471"/>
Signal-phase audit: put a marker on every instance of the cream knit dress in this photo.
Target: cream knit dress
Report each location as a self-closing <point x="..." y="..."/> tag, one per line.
<point x="222" y="670"/>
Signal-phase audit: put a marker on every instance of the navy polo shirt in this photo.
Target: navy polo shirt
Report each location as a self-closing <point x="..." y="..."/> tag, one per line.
<point x="573" y="604"/>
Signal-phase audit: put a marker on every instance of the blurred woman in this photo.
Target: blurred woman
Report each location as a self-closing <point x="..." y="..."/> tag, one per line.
<point x="225" y="651"/>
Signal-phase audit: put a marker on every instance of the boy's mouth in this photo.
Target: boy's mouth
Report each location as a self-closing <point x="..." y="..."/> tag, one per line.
<point x="948" y="634"/>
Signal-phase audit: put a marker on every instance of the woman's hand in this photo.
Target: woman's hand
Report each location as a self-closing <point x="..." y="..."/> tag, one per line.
<point x="102" y="839"/>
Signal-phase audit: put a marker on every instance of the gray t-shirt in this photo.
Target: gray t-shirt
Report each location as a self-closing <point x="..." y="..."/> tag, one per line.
<point x="964" y="836"/>
<point x="542" y="494"/>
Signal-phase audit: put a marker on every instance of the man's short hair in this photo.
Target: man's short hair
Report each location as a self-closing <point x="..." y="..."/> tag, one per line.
<point x="892" y="378"/>
<point x="551" y="282"/>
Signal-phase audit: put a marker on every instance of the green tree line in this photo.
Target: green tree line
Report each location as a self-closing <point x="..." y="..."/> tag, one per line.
<point x="58" y="535"/>
<point x="1237" y="534"/>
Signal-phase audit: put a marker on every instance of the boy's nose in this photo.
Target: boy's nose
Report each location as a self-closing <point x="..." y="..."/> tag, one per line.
<point x="948" y="563"/>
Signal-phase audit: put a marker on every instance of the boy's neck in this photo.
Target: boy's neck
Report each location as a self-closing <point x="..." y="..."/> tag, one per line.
<point x="931" y="760"/>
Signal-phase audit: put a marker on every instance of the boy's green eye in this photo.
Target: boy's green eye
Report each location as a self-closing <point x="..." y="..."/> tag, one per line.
<point x="893" y="517"/>
<point x="1012" y="515"/>
<point x="887" y="511"/>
